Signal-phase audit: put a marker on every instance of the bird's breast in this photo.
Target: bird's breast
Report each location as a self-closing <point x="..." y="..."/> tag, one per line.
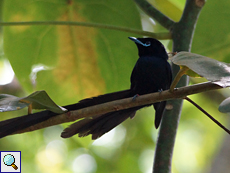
<point x="150" y="74"/>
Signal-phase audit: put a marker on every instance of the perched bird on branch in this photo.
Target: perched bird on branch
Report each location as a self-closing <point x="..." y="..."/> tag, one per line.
<point x="152" y="73"/>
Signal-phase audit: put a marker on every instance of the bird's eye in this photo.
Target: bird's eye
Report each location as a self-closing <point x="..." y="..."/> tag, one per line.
<point x="148" y="43"/>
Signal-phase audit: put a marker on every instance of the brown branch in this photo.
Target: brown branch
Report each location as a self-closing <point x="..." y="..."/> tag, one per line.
<point x="123" y="104"/>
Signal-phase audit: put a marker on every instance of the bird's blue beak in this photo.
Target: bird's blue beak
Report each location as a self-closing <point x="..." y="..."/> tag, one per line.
<point x="139" y="42"/>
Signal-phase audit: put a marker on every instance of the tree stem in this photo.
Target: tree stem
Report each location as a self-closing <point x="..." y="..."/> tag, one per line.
<point x="182" y="34"/>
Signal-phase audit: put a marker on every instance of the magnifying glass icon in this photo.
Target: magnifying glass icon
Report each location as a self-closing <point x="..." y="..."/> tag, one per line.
<point x="9" y="160"/>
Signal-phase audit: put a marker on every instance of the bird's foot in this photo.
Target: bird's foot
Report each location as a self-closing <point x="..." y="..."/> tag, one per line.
<point x="134" y="97"/>
<point x="160" y="90"/>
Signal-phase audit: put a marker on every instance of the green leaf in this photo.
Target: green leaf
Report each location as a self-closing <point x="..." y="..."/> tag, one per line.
<point x="212" y="34"/>
<point x="41" y="100"/>
<point x="225" y="106"/>
<point x="38" y="99"/>
<point x="71" y="62"/>
<point x="211" y="69"/>
<point x="171" y="9"/>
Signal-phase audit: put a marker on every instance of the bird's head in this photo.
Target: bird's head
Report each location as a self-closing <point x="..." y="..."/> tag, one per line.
<point x="150" y="47"/>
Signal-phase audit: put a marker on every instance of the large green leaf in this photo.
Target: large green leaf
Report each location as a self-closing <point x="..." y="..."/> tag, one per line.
<point x="76" y="62"/>
<point x="212" y="34"/>
<point x="199" y="65"/>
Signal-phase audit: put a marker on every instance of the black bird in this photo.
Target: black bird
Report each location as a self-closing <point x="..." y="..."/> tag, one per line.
<point x="152" y="73"/>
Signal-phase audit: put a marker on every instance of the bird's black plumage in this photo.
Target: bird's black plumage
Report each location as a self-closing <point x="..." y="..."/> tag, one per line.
<point x="152" y="73"/>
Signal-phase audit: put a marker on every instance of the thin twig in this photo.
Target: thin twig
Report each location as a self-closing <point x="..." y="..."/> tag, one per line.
<point x="206" y="113"/>
<point x="160" y="36"/>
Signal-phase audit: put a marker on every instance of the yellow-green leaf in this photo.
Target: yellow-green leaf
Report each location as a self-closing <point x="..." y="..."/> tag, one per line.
<point x="71" y="62"/>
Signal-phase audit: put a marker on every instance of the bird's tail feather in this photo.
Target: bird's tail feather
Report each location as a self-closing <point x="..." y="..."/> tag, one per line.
<point x="99" y="125"/>
<point x="10" y="126"/>
<point x="159" y="108"/>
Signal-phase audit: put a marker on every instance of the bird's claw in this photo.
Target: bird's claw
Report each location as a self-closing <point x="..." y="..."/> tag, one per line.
<point x="134" y="97"/>
<point x="160" y="90"/>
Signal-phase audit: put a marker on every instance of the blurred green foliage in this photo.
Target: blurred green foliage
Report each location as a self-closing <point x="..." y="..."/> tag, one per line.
<point x="81" y="62"/>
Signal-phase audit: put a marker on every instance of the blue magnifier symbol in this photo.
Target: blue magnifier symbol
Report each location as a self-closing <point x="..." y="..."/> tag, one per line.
<point x="9" y="160"/>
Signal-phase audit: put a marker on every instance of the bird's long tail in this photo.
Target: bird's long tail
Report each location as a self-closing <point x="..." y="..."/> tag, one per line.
<point x="99" y="125"/>
<point x="11" y="126"/>
<point x="159" y="108"/>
